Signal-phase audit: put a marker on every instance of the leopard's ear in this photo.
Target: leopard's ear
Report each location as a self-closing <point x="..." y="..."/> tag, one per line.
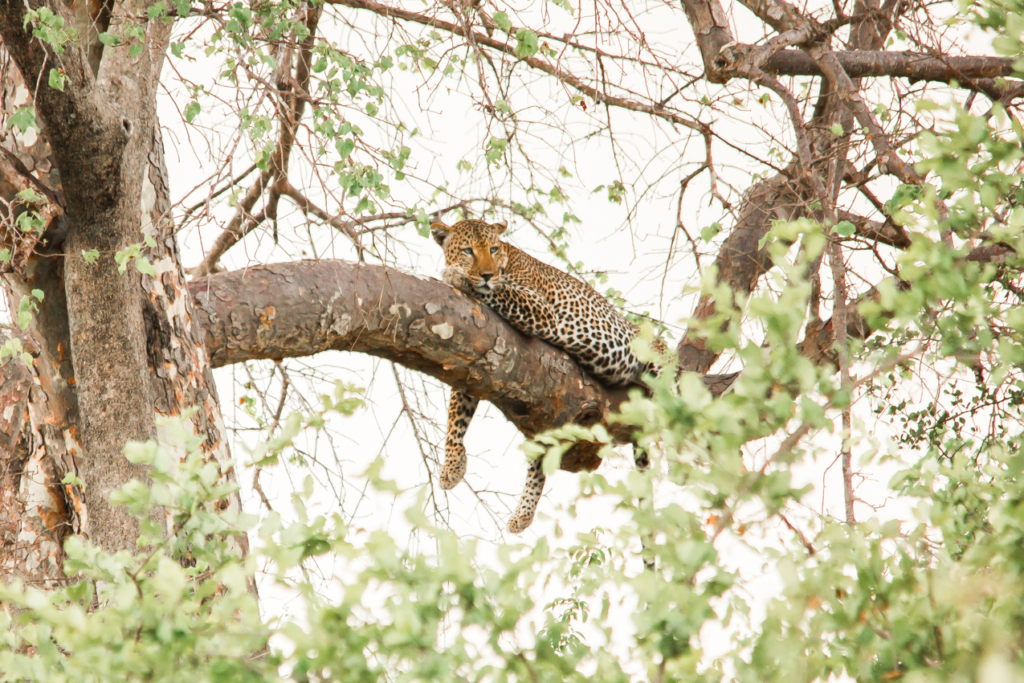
<point x="440" y="231"/>
<point x="501" y="226"/>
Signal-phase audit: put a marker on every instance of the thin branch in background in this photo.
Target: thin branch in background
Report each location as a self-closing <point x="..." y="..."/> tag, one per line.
<point x="839" y="316"/>
<point x="285" y="384"/>
<point x="420" y="441"/>
<point x="803" y="539"/>
<point x="205" y="203"/>
<point x="241" y="224"/>
<point x="681" y="227"/>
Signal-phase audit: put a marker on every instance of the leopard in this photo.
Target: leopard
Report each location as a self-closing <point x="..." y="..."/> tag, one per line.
<point x="540" y="301"/>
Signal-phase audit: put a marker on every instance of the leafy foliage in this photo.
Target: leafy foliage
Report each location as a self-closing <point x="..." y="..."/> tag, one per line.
<point x="936" y="598"/>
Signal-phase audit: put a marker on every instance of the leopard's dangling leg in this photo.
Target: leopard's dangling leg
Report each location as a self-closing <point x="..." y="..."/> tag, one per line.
<point x="523" y="516"/>
<point x="460" y="411"/>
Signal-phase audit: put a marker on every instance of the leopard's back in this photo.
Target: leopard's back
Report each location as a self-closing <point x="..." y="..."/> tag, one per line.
<point x="575" y="318"/>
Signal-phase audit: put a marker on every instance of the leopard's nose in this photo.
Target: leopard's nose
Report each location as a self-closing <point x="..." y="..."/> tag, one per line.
<point x="486" y="277"/>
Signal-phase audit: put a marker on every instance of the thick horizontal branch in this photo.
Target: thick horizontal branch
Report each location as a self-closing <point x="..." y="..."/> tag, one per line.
<point x="721" y="53"/>
<point x="298" y="309"/>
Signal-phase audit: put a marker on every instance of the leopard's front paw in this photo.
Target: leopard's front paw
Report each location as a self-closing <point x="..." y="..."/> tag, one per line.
<point x="454" y="468"/>
<point x="520" y="523"/>
<point x="523" y="518"/>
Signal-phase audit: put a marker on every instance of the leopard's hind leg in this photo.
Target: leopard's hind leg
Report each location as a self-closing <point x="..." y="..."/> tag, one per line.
<point x="523" y="516"/>
<point x="460" y="411"/>
<point x="643" y="461"/>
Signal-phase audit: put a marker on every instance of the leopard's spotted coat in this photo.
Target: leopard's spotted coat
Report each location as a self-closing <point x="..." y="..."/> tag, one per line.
<point x="540" y="301"/>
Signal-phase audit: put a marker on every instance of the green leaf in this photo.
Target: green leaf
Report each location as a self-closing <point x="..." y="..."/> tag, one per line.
<point x="108" y="39"/>
<point x="364" y="205"/>
<point x="91" y="256"/>
<point x="25" y="318"/>
<point x="121" y="258"/>
<point x="38" y="294"/>
<point x="502" y="20"/>
<point x="72" y="479"/>
<point x="30" y="196"/>
<point x="30" y="221"/>
<point x="527" y="45"/>
<point x="495" y="149"/>
<point x="57" y="80"/>
<point x="837" y="130"/>
<point x="844" y="229"/>
<point x="11" y="347"/>
<point x="143" y="265"/>
<point x="23" y="119"/>
<point x="708" y="233"/>
<point x="345" y="147"/>
<point x="192" y="110"/>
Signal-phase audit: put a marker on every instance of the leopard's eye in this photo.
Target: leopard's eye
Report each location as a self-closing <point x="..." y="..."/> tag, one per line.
<point x="494" y="250"/>
<point x="468" y="251"/>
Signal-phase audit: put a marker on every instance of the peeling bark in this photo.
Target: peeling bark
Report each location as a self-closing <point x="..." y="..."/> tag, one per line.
<point x="180" y="374"/>
<point x="98" y="128"/>
<point x="40" y="439"/>
<point x="39" y="442"/>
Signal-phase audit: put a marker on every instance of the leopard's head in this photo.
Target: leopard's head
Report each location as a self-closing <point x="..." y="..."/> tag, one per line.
<point x="474" y="256"/>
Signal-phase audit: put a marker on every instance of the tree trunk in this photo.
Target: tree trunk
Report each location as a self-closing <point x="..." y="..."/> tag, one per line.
<point x="111" y="351"/>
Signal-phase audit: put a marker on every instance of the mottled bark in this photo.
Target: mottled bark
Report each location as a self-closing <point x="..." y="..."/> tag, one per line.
<point x="39" y="440"/>
<point x="35" y="515"/>
<point x="180" y="374"/>
<point x="298" y="309"/>
<point x="39" y="437"/>
<point x="99" y="128"/>
<point x="50" y="434"/>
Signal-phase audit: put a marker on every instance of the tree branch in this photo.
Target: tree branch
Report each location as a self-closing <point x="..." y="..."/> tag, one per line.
<point x="722" y="54"/>
<point x="302" y="308"/>
<point x="504" y="47"/>
<point x="741" y="261"/>
<point x="913" y="66"/>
